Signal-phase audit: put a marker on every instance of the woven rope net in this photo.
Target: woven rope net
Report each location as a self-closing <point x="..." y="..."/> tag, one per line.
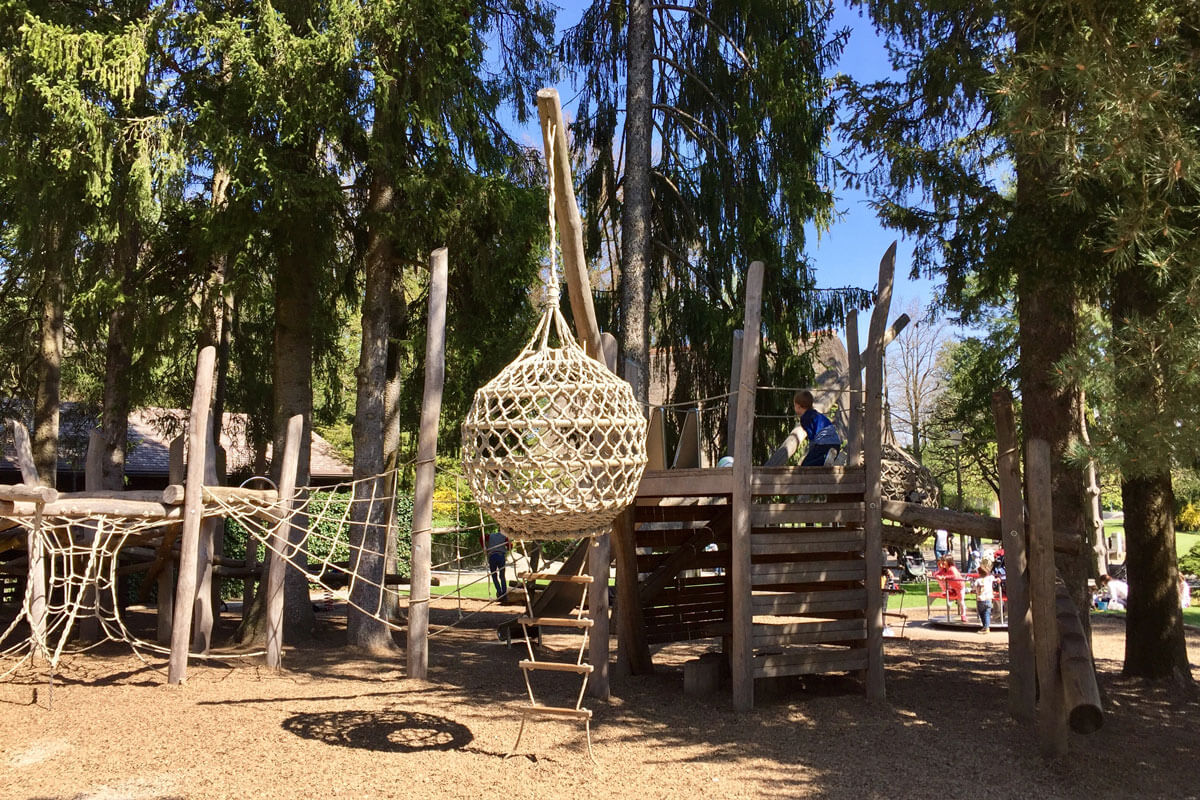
<point x="555" y="445"/>
<point x="904" y="478"/>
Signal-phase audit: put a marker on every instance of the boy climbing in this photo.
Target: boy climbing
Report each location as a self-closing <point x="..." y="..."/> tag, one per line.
<point x="822" y="436"/>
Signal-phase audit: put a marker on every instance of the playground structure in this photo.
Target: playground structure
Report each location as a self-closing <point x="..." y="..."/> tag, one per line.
<point x="792" y="587"/>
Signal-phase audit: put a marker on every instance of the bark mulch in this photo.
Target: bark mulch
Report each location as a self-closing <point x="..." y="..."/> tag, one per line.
<point x="337" y="724"/>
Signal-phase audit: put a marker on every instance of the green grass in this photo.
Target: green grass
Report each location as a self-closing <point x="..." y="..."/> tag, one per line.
<point x="1185" y="542"/>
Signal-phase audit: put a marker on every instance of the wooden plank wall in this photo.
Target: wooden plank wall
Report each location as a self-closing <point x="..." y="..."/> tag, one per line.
<point x="808" y="566"/>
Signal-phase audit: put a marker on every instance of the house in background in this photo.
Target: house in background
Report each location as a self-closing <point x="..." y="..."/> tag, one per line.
<point x="147" y="455"/>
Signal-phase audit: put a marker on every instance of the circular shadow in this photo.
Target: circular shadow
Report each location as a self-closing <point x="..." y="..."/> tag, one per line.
<point x="383" y="731"/>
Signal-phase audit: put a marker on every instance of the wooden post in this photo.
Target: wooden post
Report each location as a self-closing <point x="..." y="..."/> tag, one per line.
<point x="1081" y="694"/>
<point x="36" y="573"/>
<point x="599" y="568"/>
<point x="633" y="651"/>
<point x="176" y="474"/>
<point x="1022" y="681"/>
<point x="570" y="224"/>
<point x="93" y="481"/>
<point x="854" y="444"/>
<point x="873" y="423"/>
<point x="890" y="334"/>
<point x="280" y="541"/>
<point x="742" y="655"/>
<point x="431" y="409"/>
<point x="202" y="622"/>
<point x="687" y="453"/>
<point x="656" y="441"/>
<point x="1051" y="721"/>
<point x="735" y="374"/>
<point x="185" y="593"/>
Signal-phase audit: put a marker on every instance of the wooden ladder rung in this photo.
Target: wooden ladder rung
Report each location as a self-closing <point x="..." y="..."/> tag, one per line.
<point x="557" y="666"/>
<point x="553" y="711"/>
<point x="554" y="576"/>
<point x="556" y="622"/>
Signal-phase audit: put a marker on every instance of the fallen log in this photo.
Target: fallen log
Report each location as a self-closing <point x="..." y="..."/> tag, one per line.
<point x="1081" y="694"/>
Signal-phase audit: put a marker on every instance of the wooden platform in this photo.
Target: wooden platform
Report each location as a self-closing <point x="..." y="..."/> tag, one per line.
<point x="808" y="565"/>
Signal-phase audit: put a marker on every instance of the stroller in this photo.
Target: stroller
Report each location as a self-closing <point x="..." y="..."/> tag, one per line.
<point x="913" y="565"/>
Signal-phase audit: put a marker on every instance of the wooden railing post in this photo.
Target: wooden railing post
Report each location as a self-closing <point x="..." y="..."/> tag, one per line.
<point x="742" y="657"/>
<point x="280" y="540"/>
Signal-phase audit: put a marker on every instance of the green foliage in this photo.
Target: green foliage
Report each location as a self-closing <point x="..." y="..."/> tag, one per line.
<point x="741" y="112"/>
<point x="1189" y="563"/>
<point x="1188" y="519"/>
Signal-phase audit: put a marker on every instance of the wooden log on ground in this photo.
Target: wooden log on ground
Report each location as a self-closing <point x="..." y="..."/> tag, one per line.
<point x="1081" y="694"/>
<point x="431" y="409"/>
<point x="185" y="593"/>
<point x="280" y="535"/>
<point x="1022" y="671"/>
<point x="1051" y="719"/>
<point x="873" y="423"/>
<point x="742" y="613"/>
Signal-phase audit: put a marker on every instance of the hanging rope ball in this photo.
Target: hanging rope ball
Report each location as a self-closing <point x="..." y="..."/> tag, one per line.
<point x="555" y="445"/>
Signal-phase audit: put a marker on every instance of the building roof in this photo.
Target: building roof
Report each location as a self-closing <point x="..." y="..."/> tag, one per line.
<point x="150" y="433"/>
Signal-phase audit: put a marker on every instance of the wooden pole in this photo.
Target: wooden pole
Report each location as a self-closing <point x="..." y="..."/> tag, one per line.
<point x="656" y="441"/>
<point x="185" y="593"/>
<point x="1051" y="721"/>
<point x="890" y="334"/>
<point x="742" y="656"/>
<point x="854" y="445"/>
<point x="790" y="445"/>
<point x="36" y="574"/>
<point x="176" y="473"/>
<point x="202" y="622"/>
<point x="280" y="538"/>
<point x="1081" y="694"/>
<point x="1022" y="680"/>
<point x="735" y="375"/>
<point x="570" y="223"/>
<point x="431" y="410"/>
<point x="633" y="651"/>
<point x="873" y="423"/>
<point x="599" y="568"/>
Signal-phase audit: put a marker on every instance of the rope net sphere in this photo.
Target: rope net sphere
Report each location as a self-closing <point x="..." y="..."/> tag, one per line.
<point x="555" y="445"/>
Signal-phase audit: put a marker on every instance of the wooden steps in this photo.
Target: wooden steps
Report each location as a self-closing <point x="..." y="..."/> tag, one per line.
<point x="556" y="666"/>
<point x="556" y="622"/>
<point x="551" y="711"/>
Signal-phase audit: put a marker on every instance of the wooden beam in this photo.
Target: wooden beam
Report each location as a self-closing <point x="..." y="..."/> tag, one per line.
<point x="686" y="554"/>
<point x="873" y="424"/>
<point x="742" y="613"/>
<point x="734" y="375"/>
<point x="24" y="450"/>
<point x="783" y="454"/>
<point x="431" y="412"/>
<point x="205" y="608"/>
<point x="570" y="223"/>
<point x="1051" y="720"/>
<point x="27" y="493"/>
<point x="185" y="593"/>
<point x="687" y="454"/>
<point x="656" y="441"/>
<point x="280" y="537"/>
<point x="966" y="523"/>
<point x="1081" y="694"/>
<point x="889" y="335"/>
<point x="854" y="442"/>
<point x="633" y="650"/>
<point x="1022" y="671"/>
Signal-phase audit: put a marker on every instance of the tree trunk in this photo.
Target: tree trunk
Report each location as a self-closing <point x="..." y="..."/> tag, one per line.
<point x="118" y="366"/>
<point x="368" y="537"/>
<point x="635" y="214"/>
<point x="1154" y="640"/>
<point x="1047" y="307"/>
<point x="295" y="300"/>
<point x="45" y="412"/>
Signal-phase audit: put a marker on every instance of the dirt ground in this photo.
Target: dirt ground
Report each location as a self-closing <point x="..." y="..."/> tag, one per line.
<point x="338" y="725"/>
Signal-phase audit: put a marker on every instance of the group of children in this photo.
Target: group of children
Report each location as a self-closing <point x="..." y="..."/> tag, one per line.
<point x="983" y="584"/>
